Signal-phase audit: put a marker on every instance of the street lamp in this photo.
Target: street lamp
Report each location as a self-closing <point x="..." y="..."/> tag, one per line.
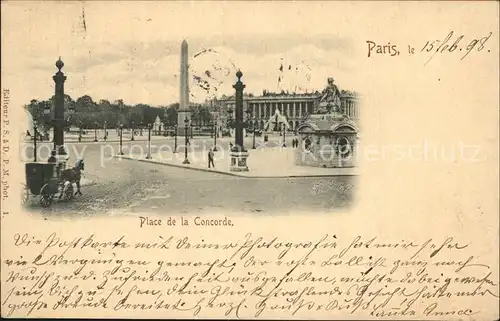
<point x="121" y="142"/>
<point x="175" y="138"/>
<point x="186" y="123"/>
<point x="284" y="126"/>
<point x="284" y="135"/>
<point x="150" y="126"/>
<point x="254" y="127"/>
<point x="192" y="121"/>
<point x="253" y="121"/>
<point x="80" y="132"/>
<point x="249" y="115"/>
<point x="46" y="113"/>
<point x="132" y="139"/>
<point x="215" y="135"/>
<point x="34" y="140"/>
<point x="95" y="132"/>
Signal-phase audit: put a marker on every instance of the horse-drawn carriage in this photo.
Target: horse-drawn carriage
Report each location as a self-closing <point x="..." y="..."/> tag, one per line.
<point x="43" y="180"/>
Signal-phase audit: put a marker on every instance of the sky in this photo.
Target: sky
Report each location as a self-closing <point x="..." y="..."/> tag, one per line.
<point x="131" y="50"/>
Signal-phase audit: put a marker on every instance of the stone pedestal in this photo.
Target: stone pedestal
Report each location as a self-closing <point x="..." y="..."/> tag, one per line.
<point x="181" y="129"/>
<point x="239" y="161"/>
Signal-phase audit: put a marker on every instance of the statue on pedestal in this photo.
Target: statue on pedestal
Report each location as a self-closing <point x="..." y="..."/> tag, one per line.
<point x="330" y="98"/>
<point x="277" y="120"/>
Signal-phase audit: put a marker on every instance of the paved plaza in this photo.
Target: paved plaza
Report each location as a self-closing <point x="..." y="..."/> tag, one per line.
<point x="262" y="162"/>
<point x="118" y="187"/>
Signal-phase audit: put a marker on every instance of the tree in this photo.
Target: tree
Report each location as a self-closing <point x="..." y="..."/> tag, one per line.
<point x="85" y="104"/>
<point x="69" y="103"/>
<point x="171" y="114"/>
<point x="36" y="109"/>
<point x="201" y="115"/>
<point x="148" y="113"/>
<point x="205" y="115"/>
<point x="104" y="105"/>
<point x="118" y="105"/>
<point x="85" y="112"/>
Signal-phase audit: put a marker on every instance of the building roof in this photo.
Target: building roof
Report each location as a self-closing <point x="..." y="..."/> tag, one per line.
<point x="287" y="97"/>
<point x="328" y="123"/>
<point x="283" y="97"/>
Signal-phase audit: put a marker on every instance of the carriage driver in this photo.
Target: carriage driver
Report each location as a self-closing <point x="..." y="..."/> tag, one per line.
<point x="53" y="159"/>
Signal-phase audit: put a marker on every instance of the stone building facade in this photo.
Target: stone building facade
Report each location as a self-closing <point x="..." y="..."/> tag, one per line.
<point x="295" y="107"/>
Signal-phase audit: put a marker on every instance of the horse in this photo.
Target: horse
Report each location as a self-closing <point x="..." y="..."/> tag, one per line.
<point x="73" y="175"/>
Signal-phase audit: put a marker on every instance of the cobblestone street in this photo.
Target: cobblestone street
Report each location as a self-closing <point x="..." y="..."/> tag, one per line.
<point x="123" y="186"/>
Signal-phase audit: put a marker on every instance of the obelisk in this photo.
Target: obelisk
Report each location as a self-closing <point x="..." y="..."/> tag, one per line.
<point x="184" y="111"/>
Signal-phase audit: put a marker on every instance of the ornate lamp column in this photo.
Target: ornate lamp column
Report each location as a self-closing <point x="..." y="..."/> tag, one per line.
<point x="254" y="129"/>
<point x="191" y="123"/>
<point x="285" y="124"/>
<point x="238" y="153"/>
<point x="175" y="138"/>
<point x="58" y="121"/>
<point x="80" y="132"/>
<point x="150" y="126"/>
<point x="215" y="135"/>
<point x="35" y="150"/>
<point x="95" y="132"/>
<point x="121" y="141"/>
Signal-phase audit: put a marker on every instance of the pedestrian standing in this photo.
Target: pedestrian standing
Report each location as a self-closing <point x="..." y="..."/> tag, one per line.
<point x="211" y="158"/>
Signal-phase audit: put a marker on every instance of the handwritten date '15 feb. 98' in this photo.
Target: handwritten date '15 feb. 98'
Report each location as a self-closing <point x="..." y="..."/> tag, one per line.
<point x="451" y="44"/>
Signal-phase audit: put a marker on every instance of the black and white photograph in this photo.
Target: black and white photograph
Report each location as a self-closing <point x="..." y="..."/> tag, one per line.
<point x="189" y="123"/>
<point x="256" y="160"/>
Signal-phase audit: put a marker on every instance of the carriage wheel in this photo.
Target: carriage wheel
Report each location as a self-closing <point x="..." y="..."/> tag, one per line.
<point x="46" y="200"/>
<point x="25" y="194"/>
<point x="47" y="195"/>
<point x="68" y="192"/>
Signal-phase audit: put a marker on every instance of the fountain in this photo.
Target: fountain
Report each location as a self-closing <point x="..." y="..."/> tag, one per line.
<point x="277" y="119"/>
<point x="30" y="122"/>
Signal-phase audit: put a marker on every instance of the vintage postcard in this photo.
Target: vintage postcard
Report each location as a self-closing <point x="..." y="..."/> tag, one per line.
<point x="250" y="160"/>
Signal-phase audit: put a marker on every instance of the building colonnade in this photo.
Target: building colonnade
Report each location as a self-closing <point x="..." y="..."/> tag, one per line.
<point x="294" y="110"/>
<point x="350" y="107"/>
